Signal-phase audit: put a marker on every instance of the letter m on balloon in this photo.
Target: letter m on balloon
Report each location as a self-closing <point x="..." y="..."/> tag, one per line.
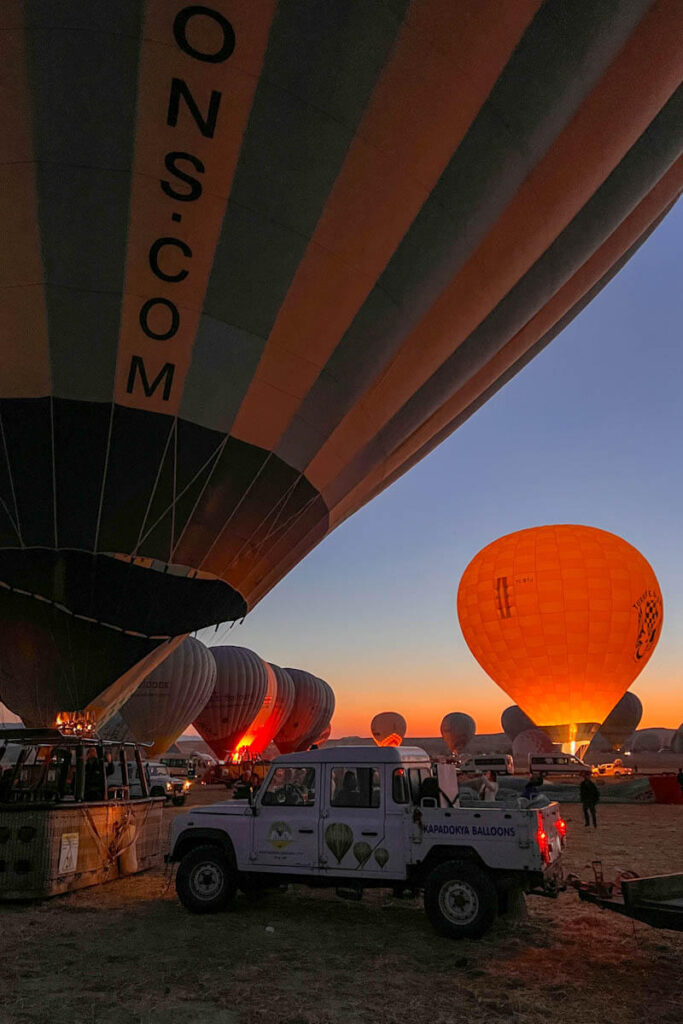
<point x="165" y="375"/>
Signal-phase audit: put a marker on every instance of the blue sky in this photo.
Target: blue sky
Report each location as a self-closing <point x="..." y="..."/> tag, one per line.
<point x="589" y="433"/>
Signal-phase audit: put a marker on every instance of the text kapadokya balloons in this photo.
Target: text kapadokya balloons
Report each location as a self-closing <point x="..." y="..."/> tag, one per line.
<point x="258" y="285"/>
<point x="239" y="691"/>
<point x="563" y="618"/>
<point x="312" y="710"/>
<point x="622" y="720"/>
<point x="388" y="729"/>
<point x="167" y="700"/>
<point x="457" y="729"/>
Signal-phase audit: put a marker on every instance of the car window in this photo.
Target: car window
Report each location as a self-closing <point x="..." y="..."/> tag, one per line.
<point x="355" y="787"/>
<point x="290" y="787"/>
<point x="399" y="786"/>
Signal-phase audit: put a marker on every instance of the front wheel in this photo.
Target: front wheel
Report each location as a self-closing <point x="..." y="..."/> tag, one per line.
<point x="460" y="900"/>
<point x="178" y="801"/>
<point x="206" y="881"/>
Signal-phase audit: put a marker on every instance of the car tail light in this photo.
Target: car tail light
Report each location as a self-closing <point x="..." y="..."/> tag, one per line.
<point x="542" y="840"/>
<point x="561" y="826"/>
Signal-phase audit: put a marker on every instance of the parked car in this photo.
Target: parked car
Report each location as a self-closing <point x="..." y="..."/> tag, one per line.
<point x="502" y="764"/>
<point x="557" y="764"/>
<point x="162" y="783"/>
<point x="356" y="818"/>
<point x="613" y="768"/>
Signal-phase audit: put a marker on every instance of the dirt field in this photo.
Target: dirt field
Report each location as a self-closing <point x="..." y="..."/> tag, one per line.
<point x="127" y="953"/>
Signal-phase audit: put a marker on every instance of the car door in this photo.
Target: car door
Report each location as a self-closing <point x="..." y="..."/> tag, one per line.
<point x="285" y="826"/>
<point x="352" y="830"/>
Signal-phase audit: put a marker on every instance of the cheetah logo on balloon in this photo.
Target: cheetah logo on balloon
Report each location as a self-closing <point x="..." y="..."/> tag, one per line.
<point x="649" y="611"/>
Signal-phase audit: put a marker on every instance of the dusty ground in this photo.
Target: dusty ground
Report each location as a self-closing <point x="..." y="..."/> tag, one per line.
<point x="127" y="953"/>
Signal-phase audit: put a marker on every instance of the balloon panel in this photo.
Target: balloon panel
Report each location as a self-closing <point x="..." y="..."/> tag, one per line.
<point x="563" y="618"/>
<point x="231" y="317"/>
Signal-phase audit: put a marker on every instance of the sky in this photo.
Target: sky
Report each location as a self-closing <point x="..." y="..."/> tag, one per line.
<point x="589" y="432"/>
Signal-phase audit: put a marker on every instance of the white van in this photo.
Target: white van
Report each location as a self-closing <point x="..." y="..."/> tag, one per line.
<point x="557" y="764"/>
<point x="501" y="764"/>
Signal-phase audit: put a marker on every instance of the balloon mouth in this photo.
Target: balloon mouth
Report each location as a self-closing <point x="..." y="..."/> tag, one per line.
<point x="141" y="597"/>
<point x="571" y="732"/>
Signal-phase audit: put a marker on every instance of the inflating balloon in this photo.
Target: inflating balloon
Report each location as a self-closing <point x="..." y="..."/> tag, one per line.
<point x="563" y="618"/>
<point x="338" y="839"/>
<point x="311" y="712"/>
<point x="388" y="729"/>
<point x="457" y="729"/>
<point x="622" y="720"/>
<point x="513" y="721"/>
<point x="239" y="691"/>
<point x="276" y="708"/>
<point x="261" y="263"/>
<point x="167" y="700"/>
<point x="531" y="741"/>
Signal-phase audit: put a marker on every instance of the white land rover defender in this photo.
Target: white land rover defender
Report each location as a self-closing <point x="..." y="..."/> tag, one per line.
<point x="359" y="817"/>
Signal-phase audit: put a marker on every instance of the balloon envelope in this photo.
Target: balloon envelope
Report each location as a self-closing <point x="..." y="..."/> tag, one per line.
<point x="622" y="720"/>
<point x="312" y="710"/>
<point x="388" y="729"/>
<point x="650" y="740"/>
<point x="457" y="729"/>
<point x="248" y="285"/>
<point x="563" y="618"/>
<point x="513" y="721"/>
<point x="275" y="709"/>
<point x="167" y="700"/>
<point x="239" y="691"/>
<point x="531" y="741"/>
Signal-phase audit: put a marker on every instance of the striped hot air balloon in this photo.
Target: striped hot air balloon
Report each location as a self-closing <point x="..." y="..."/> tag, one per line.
<point x="311" y="712"/>
<point x="261" y="257"/>
<point x="240" y="688"/>
<point x="167" y="700"/>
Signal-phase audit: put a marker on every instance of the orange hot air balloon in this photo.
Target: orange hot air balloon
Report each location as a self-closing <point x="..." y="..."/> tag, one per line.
<point x="563" y="618"/>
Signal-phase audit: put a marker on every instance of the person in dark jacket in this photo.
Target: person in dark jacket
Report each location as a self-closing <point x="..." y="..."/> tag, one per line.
<point x="589" y="795"/>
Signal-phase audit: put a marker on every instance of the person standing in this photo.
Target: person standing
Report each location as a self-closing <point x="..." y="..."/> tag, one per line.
<point x="589" y="794"/>
<point x="488" y="787"/>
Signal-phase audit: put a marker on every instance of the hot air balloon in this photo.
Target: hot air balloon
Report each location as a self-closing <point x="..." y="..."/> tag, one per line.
<point x="324" y="736"/>
<point x="531" y="741"/>
<point x="622" y="720"/>
<point x="276" y="708"/>
<point x="563" y="618"/>
<point x="388" y="729"/>
<point x="513" y="721"/>
<point x="313" y="707"/>
<point x="457" y="729"/>
<point x="261" y="263"/>
<point x="650" y="741"/>
<point x="167" y="700"/>
<point x="677" y="741"/>
<point x="239" y="691"/>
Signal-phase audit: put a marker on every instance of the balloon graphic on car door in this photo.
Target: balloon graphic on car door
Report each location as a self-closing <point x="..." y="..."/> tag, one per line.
<point x="362" y="852"/>
<point x="381" y="856"/>
<point x="338" y="838"/>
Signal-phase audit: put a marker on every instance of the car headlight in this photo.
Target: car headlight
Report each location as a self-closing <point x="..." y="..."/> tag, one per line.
<point x="186" y="784"/>
<point x="169" y="787"/>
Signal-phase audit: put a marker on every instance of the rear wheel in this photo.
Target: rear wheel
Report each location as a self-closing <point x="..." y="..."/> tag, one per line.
<point x="460" y="900"/>
<point x="206" y="881"/>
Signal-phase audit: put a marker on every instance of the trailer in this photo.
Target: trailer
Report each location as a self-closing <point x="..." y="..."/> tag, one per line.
<point x="75" y="811"/>
<point x="656" y="900"/>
